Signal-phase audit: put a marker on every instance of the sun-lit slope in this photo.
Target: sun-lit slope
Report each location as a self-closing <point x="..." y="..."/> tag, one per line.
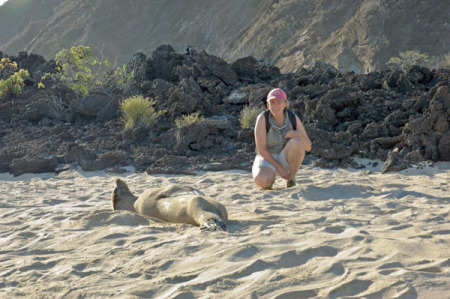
<point x="357" y="36"/>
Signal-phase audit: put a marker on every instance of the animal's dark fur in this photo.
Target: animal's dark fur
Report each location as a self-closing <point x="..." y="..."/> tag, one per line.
<point x="114" y="199"/>
<point x="122" y="187"/>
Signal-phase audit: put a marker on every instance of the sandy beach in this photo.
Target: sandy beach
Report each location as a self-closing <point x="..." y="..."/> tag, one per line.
<point x="340" y="233"/>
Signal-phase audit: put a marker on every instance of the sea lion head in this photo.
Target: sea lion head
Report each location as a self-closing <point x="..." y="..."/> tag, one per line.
<point x="121" y="197"/>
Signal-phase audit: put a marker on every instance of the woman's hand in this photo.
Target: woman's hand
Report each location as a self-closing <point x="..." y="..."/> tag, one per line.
<point x="283" y="173"/>
<point x="291" y="134"/>
<point x="302" y="136"/>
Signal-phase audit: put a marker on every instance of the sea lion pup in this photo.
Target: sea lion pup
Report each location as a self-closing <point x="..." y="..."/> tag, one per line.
<point x="173" y="203"/>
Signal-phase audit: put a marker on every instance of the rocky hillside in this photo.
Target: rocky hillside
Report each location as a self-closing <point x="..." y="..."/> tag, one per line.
<point x="357" y="35"/>
<point x="400" y="117"/>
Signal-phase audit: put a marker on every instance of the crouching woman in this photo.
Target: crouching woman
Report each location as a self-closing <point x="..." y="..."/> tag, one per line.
<point x="281" y="142"/>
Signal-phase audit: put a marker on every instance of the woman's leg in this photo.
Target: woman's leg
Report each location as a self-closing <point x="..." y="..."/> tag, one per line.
<point x="294" y="152"/>
<point x="263" y="174"/>
<point x="265" y="177"/>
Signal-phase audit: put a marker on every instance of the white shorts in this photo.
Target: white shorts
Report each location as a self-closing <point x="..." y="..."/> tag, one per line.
<point x="260" y="162"/>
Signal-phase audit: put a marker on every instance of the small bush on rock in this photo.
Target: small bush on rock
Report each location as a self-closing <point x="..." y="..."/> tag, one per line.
<point x="15" y="83"/>
<point x="7" y="67"/>
<point x="409" y="58"/>
<point x="137" y="110"/>
<point x="248" y="116"/>
<point x="120" y="78"/>
<point x="83" y="73"/>
<point x="77" y="67"/>
<point x="187" y="119"/>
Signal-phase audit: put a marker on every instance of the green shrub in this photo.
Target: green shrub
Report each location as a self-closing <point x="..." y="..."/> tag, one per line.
<point x="118" y="77"/>
<point x="248" y="116"/>
<point x="77" y="69"/>
<point x="15" y="83"/>
<point x="139" y="111"/>
<point x="187" y="119"/>
<point x="409" y="58"/>
<point x="83" y="73"/>
<point x="7" y="67"/>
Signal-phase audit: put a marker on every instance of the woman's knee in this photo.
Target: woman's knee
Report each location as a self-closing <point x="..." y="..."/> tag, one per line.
<point x="297" y="143"/>
<point x="263" y="180"/>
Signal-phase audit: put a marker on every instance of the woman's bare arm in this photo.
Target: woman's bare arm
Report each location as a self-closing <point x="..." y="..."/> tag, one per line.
<point x="300" y="132"/>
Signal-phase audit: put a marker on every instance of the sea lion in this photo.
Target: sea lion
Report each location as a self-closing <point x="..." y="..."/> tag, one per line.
<point x="173" y="203"/>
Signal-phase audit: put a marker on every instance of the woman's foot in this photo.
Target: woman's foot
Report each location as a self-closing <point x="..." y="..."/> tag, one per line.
<point x="290" y="184"/>
<point x="270" y="187"/>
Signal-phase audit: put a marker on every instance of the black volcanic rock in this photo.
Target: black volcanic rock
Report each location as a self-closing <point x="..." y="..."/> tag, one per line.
<point x="399" y="117"/>
<point x="444" y="147"/>
<point x="246" y="67"/>
<point x="393" y="163"/>
<point x="33" y="165"/>
<point x="163" y="63"/>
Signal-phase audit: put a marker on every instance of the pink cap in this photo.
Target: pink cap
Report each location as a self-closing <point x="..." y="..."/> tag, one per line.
<point x="277" y="93"/>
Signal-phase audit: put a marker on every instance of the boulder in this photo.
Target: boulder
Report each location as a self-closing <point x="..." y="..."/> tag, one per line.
<point x="33" y="165"/>
<point x="163" y="64"/>
<point x="139" y="66"/>
<point x="355" y="128"/>
<point x="80" y="154"/>
<point x="217" y="122"/>
<point x="109" y="159"/>
<point x="246" y="135"/>
<point x="392" y="78"/>
<point x="245" y="67"/>
<point x="180" y="103"/>
<point x="109" y="111"/>
<point x="4" y="167"/>
<point x="329" y="145"/>
<point x="236" y="97"/>
<point x="404" y="85"/>
<point x="268" y="72"/>
<point x="88" y="106"/>
<point x="44" y="109"/>
<point x="217" y="67"/>
<point x="183" y="72"/>
<point x="370" y="82"/>
<point x="394" y="163"/>
<point x="397" y="118"/>
<point x="442" y="96"/>
<point x="420" y="75"/>
<point x="444" y="147"/>
<point x="5" y="112"/>
<point x="256" y="93"/>
<point x="160" y="87"/>
<point x="209" y="83"/>
<point x="388" y="142"/>
<point x="375" y="130"/>
<point x="191" y="137"/>
<point x="33" y="63"/>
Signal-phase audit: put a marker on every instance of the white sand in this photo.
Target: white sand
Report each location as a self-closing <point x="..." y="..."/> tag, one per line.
<point x="338" y="233"/>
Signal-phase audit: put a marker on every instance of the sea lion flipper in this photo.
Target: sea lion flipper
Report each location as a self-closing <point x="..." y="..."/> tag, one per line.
<point x="214" y="224"/>
<point x="121" y="197"/>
